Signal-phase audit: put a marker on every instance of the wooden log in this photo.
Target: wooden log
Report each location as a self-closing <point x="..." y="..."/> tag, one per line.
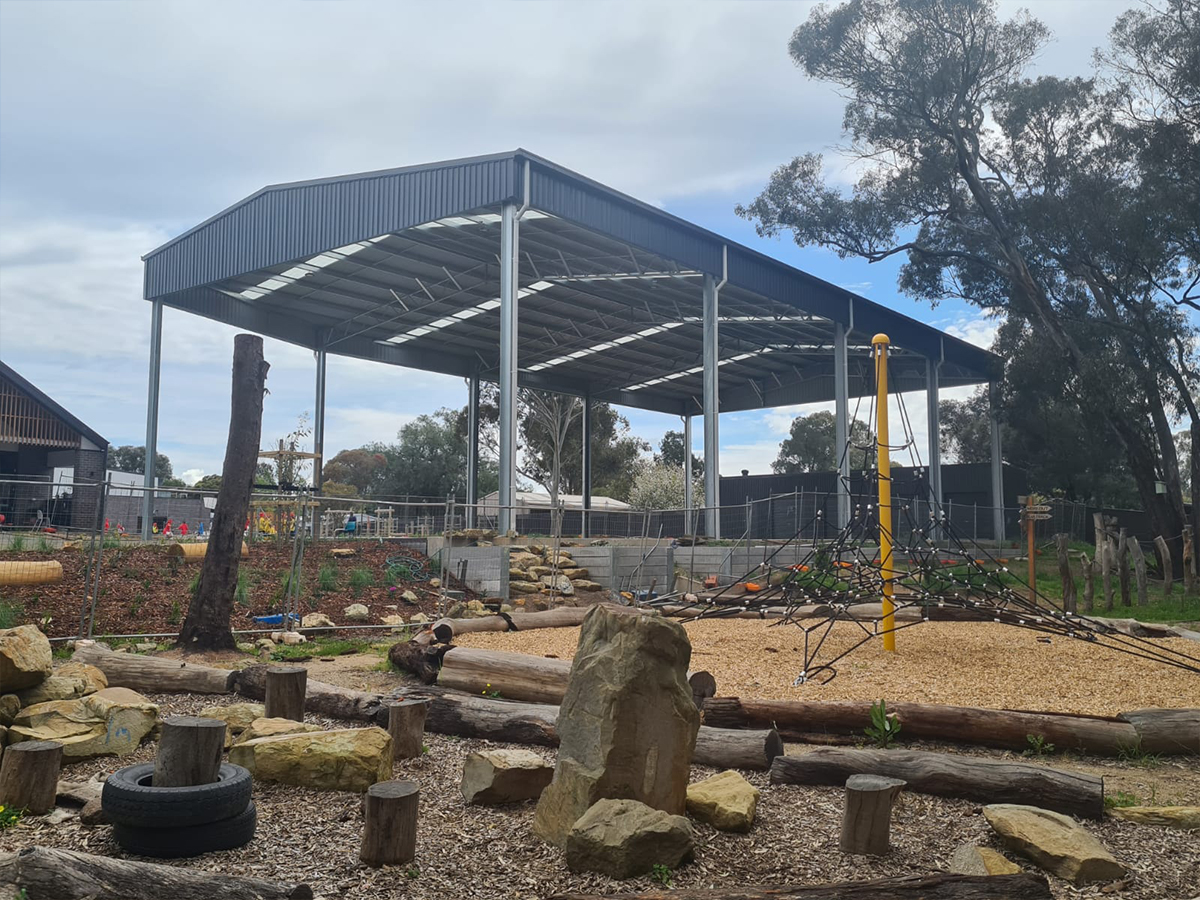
<point x="390" y="824"/>
<point x="561" y="617"/>
<point x="1123" y="567"/>
<point x="319" y="697"/>
<point x="46" y="874"/>
<point x="1167" y="564"/>
<point x="29" y="775"/>
<point x="947" y="775"/>
<point x="468" y="715"/>
<point x="406" y="725"/>
<point x="1064" y="572"/>
<point x="867" y="818"/>
<point x="422" y="654"/>
<point x="1139" y="572"/>
<point x="1089" y="583"/>
<point x="1004" y="728"/>
<point x="189" y="751"/>
<point x="1023" y="886"/>
<point x="285" y="692"/>
<point x="703" y="685"/>
<point x="196" y="552"/>
<point x="153" y="674"/>
<point x="1189" y="560"/>
<point x="1103" y="559"/>
<point x="15" y="572"/>
<point x="1169" y="731"/>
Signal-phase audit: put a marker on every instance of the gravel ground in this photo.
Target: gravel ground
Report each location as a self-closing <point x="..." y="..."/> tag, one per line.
<point x="959" y="663"/>
<point x="490" y="852"/>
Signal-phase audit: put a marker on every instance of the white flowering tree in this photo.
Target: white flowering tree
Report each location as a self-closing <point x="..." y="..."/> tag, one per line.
<point x="660" y="486"/>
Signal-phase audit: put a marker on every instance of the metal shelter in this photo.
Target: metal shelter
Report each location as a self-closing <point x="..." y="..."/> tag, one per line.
<point x="511" y="269"/>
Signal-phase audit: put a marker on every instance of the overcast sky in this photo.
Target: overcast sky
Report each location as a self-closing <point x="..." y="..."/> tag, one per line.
<point x="123" y="124"/>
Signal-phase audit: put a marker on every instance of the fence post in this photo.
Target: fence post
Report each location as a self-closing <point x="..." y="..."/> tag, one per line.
<point x="669" y="583"/>
<point x="613" y="575"/>
<point x="504" y="567"/>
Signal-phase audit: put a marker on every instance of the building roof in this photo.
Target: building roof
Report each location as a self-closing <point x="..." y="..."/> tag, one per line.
<point x="536" y="499"/>
<point x="402" y="266"/>
<point x="26" y="387"/>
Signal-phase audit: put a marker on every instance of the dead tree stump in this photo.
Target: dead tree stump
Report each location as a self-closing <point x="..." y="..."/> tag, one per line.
<point x="189" y="751"/>
<point x="1089" y="582"/>
<point x="390" y="824"/>
<point x="1123" y="567"/>
<point x="406" y="725"/>
<point x="1139" y="571"/>
<point x="29" y="775"/>
<point x="703" y="686"/>
<point x="1168" y="566"/>
<point x="867" y="819"/>
<point x="1064" y="571"/>
<point x="286" y="686"/>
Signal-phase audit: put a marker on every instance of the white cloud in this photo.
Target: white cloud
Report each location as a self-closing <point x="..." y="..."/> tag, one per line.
<point x="191" y="476"/>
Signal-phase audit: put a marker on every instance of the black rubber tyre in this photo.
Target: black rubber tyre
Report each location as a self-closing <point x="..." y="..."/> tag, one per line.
<point x="129" y="798"/>
<point x="191" y="840"/>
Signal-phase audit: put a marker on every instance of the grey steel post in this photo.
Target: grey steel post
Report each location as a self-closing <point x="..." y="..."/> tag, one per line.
<point x="319" y="419"/>
<point x="472" y="448"/>
<point x="586" y="465"/>
<point x="156" y="311"/>
<point x="509" y="239"/>
<point x="841" y="393"/>
<point x="712" y="451"/>
<point x="997" y="463"/>
<point x="688" y="500"/>
<point x="932" y="367"/>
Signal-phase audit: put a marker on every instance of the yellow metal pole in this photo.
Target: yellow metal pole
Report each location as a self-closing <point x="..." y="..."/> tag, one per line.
<point x="879" y="344"/>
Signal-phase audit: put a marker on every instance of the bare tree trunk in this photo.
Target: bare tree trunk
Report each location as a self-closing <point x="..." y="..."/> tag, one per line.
<point x="1123" y="567"/>
<point x="1089" y="583"/>
<point x="207" y="623"/>
<point x="1064" y="571"/>
<point x="1189" y="560"/>
<point x="1139" y="571"/>
<point x="1168" y="571"/>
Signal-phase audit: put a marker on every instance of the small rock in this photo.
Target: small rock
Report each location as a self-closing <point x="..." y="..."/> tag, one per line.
<point x="79" y="793"/>
<point x="1183" y="817"/>
<point x="236" y="716"/>
<point x="420" y="618"/>
<point x="727" y="801"/>
<point x="457" y="611"/>
<point x="523" y="587"/>
<point x="506" y="607"/>
<point x="59" y="815"/>
<point x="316" y="620"/>
<point x="624" y="838"/>
<point x="122" y="649"/>
<point x="392" y="620"/>
<point x="581" y="584"/>
<point x="25" y="657"/>
<point x="92" y="814"/>
<point x="264" y="727"/>
<point x="560" y="583"/>
<point x="1054" y="842"/>
<point x="245" y="647"/>
<point x="504" y="776"/>
<point x="265" y="644"/>
<point x="410" y="597"/>
<point x="356" y="612"/>
<point x="291" y="638"/>
<point x="971" y="859"/>
<point x="10" y="705"/>
<point x="145" y="647"/>
<point x="435" y="583"/>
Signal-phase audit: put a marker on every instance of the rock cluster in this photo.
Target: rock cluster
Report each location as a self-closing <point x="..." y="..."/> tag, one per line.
<point x="536" y="572"/>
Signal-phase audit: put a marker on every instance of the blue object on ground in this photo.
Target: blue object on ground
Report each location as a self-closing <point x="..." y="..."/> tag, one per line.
<point x="276" y="619"/>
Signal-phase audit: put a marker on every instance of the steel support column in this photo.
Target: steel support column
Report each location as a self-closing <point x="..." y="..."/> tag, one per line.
<point x="712" y="403"/>
<point x="688" y="500"/>
<point x="932" y="368"/>
<point x="509" y="240"/>
<point x="156" y="313"/>
<point x="472" y="448"/>
<point x="586" y="464"/>
<point x="841" y="405"/>
<point x="997" y="463"/>
<point x="319" y="419"/>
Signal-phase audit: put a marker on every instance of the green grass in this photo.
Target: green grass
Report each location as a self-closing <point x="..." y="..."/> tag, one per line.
<point x="360" y="578"/>
<point x="241" y="594"/>
<point x="44" y="545"/>
<point x="175" y="616"/>
<point x="10" y="613"/>
<point x="17" y="543"/>
<point x="1121" y="799"/>
<point x="319" y="647"/>
<point x="327" y="578"/>
<point x="1135" y="755"/>
<point x="62" y="651"/>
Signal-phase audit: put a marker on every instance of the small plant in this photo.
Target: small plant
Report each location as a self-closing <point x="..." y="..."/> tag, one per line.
<point x="424" y="748"/>
<point x="10" y="613"/>
<point x="9" y="816"/>
<point x="361" y="578"/>
<point x="17" y="543"/>
<point x="193" y="585"/>
<point x="413" y="871"/>
<point x="175" y="616"/>
<point x="883" y="728"/>
<point x="242" y="593"/>
<point x="488" y="692"/>
<point x="1038" y="746"/>
<point x="1136" y="755"/>
<point x="661" y="874"/>
<point x="1120" y="799"/>
<point x="136" y="604"/>
<point x="44" y="545"/>
<point x="327" y="578"/>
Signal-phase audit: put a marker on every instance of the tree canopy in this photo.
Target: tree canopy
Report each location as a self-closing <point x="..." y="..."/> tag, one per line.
<point x="811" y="445"/>
<point x="128" y="458"/>
<point x="1070" y="205"/>
<point x="670" y="453"/>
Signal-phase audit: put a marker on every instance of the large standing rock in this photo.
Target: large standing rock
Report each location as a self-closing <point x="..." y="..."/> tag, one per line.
<point x="1054" y="842"/>
<point x="627" y="724"/>
<point x="727" y="801"/>
<point x="25" y="658"/>
<point x="68" y="682"/>
<point x="348" y="759"/>
<point x="624" y="838"/>
<point x="1182" y="817"/>
<point x="504" y="776"/>
<point x="971" y="859"/>
<point x="111" y="722"/>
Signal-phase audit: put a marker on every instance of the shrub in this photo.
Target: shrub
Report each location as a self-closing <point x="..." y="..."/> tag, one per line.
<point x="327" y="578"/>
<point x="883" y="728"/>
<point x="361" y="578"/>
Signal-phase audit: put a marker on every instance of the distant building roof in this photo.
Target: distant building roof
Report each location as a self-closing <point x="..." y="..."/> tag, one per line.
<point x="535" y="500"/>
<point x="14" y="421"/>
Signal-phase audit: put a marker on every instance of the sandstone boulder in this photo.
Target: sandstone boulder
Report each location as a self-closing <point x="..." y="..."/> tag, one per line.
<point x="67" y="683"/>
<point x="78" y="793"/>
<point x="627" y="724"/>
<point x="559" y="583"/>
<point x="317" y="620"/>
<point x="1054" y="842"/>
<point x="573" y="574"/>
<point x="264" y="727"/>
<point x="518" y="575"/>
<point x="1183" y="817"/>
<point x="523" y="560"/>
<point x="504" y="776"/>
<point x="356" y="612"/>
<point x="727" y="801"/>
<point x="585" y="586"/>
<point x="971" y="859"/>
<point x="392" y="620"/>
<point x="348" y="759"/>
<point x="111" y="722"/>
<point x="624" y="838"/>
<point x="25" y="658"/>
<point x="236" y="716"/>
<point x="420" y="618"/>
<point x="523" y="587"/>
<point x="10" y="705"/>
<point x="536" y="572"/>
<point x="409" y="597"/>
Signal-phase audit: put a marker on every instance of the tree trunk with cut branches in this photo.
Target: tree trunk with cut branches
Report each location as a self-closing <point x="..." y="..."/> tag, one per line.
<point x="207" y="624"/>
